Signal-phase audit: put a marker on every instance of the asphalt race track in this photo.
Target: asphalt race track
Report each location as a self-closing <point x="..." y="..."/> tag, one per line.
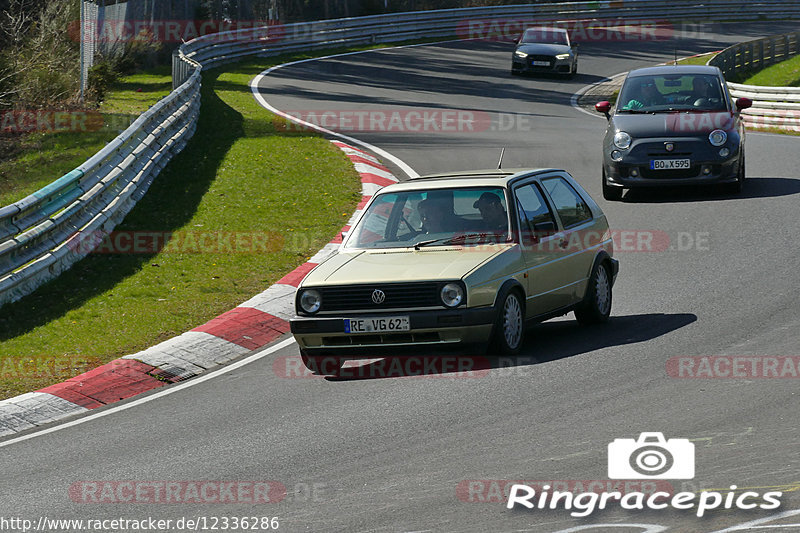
<point x="419" y="454"/>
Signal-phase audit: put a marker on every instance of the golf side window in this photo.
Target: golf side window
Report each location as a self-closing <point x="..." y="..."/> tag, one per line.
<point x="535" y="217"/>
<point x="571" y="208"/>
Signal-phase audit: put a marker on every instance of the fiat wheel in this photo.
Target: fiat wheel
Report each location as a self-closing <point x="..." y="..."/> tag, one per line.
<point x="609" y="192"/>
<point x="737" y="186"/>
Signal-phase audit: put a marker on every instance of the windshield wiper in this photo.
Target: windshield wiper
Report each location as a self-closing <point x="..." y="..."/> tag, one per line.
<point x="457" y="239"/>
<point x="483" y="236"/>
<point x="420" y="244"/>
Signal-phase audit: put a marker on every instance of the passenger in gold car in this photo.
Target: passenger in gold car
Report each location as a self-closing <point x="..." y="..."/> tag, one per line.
<point x="492" y="212"/>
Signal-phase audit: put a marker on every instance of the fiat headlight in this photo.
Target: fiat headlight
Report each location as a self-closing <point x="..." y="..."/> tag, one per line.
<point x="717" y="137"/>
<point x="622" y="140"/>
<point x="452" y="294"/>
<point x="310" y="301"/>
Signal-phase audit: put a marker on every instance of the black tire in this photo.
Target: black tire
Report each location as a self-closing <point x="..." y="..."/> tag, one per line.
<point x="737" y="186"/>
<point x="509" y="327"/>
<point x="612" y="194"/>
<point x="322" y="364"/>
<point x="596" y="305"/>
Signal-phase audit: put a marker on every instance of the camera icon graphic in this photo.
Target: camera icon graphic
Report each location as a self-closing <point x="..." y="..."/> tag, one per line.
<point x="651" y="457"/>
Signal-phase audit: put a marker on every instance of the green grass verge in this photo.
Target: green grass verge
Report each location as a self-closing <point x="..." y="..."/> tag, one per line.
<point x="243" y="173"/>
<point x="696" y="60"/>
<point x="769" y="129"/>
<point x="783" y="74"/>
<point x="43" y="157"/>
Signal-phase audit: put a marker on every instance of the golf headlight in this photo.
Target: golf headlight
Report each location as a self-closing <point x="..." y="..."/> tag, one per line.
<point x="622" y="140"/>
<point x="310" y="300"/>
<point x="521" y="54"/>
<point x="452" y="294"/>
<point x="562" y="56"/>
<point x="717" y="137"/>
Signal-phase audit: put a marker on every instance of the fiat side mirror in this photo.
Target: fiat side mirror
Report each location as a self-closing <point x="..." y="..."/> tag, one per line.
<point x="603" y="107"/>
<point x="743" y="103"/>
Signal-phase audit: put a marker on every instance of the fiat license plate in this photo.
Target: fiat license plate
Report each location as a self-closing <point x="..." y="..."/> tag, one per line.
<point x="382" y="324"/>
<point x="670" y="164"/>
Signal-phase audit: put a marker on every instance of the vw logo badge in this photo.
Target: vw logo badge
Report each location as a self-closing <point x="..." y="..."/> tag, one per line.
<point x="378" y="296"/>
<point x="669" y="146"/>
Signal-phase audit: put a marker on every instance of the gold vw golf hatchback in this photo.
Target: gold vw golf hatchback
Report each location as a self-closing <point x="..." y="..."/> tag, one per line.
<point x="459" y="258"/>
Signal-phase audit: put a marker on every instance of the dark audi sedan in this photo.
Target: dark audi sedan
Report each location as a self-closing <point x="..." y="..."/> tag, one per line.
<point x="544" y="50"/>
<point x="673" y="125"/>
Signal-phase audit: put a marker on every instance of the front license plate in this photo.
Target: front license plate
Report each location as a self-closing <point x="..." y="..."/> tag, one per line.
<point x="670" y="164"/>
<point x="541" y="63"/>
<point x="376" y="325"/>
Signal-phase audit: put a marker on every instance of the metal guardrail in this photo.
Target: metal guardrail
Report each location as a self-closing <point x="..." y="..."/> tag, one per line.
<point x="776" y="107"/>
<point x="39" y="235"/>
<point x="44" y="234"/>
<point x="464" y="23"/>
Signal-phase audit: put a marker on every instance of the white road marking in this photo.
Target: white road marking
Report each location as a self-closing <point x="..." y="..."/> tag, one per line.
<point x="756" y="524"/>
<point x="254" y="83"/>
<point x="574" y="100"/>
<point x="164" y="392"/>
<point x="645" y="528"/>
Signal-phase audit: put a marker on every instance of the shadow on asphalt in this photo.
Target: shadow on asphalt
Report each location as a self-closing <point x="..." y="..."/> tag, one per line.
<point x="545" y="343"/>
<point x="753" y="188"/>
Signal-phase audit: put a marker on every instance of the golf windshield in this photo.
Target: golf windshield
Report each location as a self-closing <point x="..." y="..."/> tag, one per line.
<point x="433" y="217"/>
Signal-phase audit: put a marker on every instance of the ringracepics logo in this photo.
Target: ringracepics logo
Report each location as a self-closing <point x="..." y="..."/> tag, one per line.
<point x="651" y="456"/>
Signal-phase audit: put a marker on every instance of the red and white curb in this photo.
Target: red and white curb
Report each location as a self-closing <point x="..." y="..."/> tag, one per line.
<point x="250" y="326"/>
